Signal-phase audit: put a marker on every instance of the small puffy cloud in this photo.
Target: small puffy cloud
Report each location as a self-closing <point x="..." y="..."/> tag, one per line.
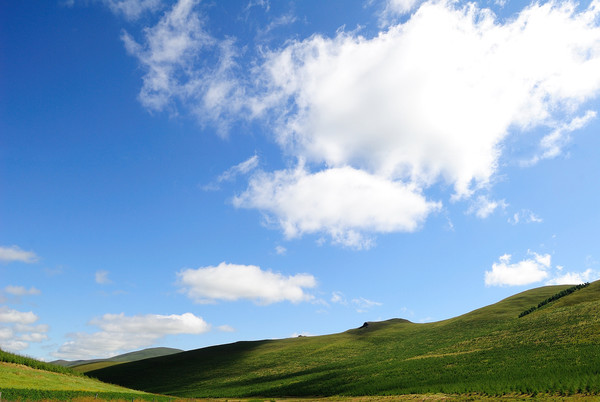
<point x="121" y="333"/>
<point x="101" y="277"/>
<point x="232" y="282"/>
<point x="15" y="254"/>
<point x="280" y="250"/>
<point x="21" y="291"/>
<point x="575" y="278"/>
<point x="524" y="272"/>
<point x="342" y="202"/>
<point x="8" y="315"/>
<point x="483" y="207"/>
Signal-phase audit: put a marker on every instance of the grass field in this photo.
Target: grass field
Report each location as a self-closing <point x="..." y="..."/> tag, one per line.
<point x="490" y="351"/>
<point x="23" y="378"/>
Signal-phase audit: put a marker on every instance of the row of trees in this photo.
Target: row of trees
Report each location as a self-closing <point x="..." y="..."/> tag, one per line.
<point x="557" y="296"/>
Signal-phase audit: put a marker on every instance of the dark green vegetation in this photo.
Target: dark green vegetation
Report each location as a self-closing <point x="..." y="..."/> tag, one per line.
<point x="23" y="378"/>
<point x="488" y="351"/>
<point x="555" y="297"/>
<point x="84" y="366"/>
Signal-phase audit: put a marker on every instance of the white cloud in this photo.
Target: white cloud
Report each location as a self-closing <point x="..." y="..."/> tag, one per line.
<point x="241" y="168"/>
<point x="233" y="282"/>
<point x="16" y="331"/>
<point x="14" y="254"/>
<point x="338" y="297"/>
<point x="133" y="9"/>
<point x="343" y="202"/>
<point x="551" y="145"/>
<point x="8" y="315"/>
<point x="362" y="304"/>
<point x="280" y="250"/>
<point x="174" y="54"/>
<point x="432" y="99"/>
<point x="121" y="333"/>
<point x="395" y="8"/>
<point x="101" y="277"/>
<point x="423" y="103"/>
<point x="575" y="278"/>
<point x="524" y="216"/>
<point x="21" y="291"/>
<point x="226" y="328"/>
<point x="523" y="272"/>
<point x="483" y="207"/>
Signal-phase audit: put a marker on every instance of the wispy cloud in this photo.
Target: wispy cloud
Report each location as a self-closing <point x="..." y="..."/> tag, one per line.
<point x="483" y="207"/>
<point x="363" y="305"/>
<point x="524" y="216"/>
<point x="101" y="277"/>
<point x="21" y="291"/>
<point x="230" y="174"/>
<point x="133" y="9"/>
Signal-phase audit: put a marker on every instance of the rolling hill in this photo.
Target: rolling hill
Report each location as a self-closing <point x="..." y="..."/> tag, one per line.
<point x="83" y="366"/>
<point x="554" y="349"/>
<point x="23" y="378"/>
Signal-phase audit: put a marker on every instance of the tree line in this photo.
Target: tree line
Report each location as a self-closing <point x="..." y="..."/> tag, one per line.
<point x="557" y="296"/>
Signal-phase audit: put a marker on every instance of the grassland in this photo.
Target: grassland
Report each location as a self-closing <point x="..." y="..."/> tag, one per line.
<point x="83" y="366"/>
<point x="554" y="350"/>
<point x="23" y="378"/>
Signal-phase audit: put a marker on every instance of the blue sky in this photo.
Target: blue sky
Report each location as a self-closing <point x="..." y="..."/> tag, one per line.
<point x="186" y="173"/>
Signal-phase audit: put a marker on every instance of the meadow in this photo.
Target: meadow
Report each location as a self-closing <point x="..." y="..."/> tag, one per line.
<point x="554" y="350"/>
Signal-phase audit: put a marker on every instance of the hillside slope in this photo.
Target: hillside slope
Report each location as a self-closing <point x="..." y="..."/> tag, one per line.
<point x="83" y="366"/>
<point x="24" y="378"/>
<point x="489" y="350"/>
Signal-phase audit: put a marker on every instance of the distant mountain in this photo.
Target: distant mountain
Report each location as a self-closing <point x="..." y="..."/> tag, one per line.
<point x="83" y="366"/>
<point x="555" y="349"/>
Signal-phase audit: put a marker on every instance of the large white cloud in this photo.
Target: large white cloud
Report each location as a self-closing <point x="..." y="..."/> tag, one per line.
<point x="433" y="98"/>
<point x="424" y="103"/>
<point x="344" y="202"/>
<point x="233" y="282"/>
<point x="121" y="333"/>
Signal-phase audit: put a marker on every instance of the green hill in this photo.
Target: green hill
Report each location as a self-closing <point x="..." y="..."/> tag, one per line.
<point x="23" y="378"/>
<point x="84" y="366"/>
<point x="554" y="349"/>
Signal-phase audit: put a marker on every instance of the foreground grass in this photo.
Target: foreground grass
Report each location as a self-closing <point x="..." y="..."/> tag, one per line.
<point x="555" y="350"/>
<point x="20" y="381"/>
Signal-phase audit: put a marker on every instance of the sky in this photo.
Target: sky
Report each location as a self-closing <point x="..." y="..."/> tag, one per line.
<point x="192" y="173"/>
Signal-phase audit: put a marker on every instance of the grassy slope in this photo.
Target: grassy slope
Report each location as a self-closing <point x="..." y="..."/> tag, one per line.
<point x="83" y="366"/>
<point x="29" y="379"/>
<point x="489" y="350"/>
